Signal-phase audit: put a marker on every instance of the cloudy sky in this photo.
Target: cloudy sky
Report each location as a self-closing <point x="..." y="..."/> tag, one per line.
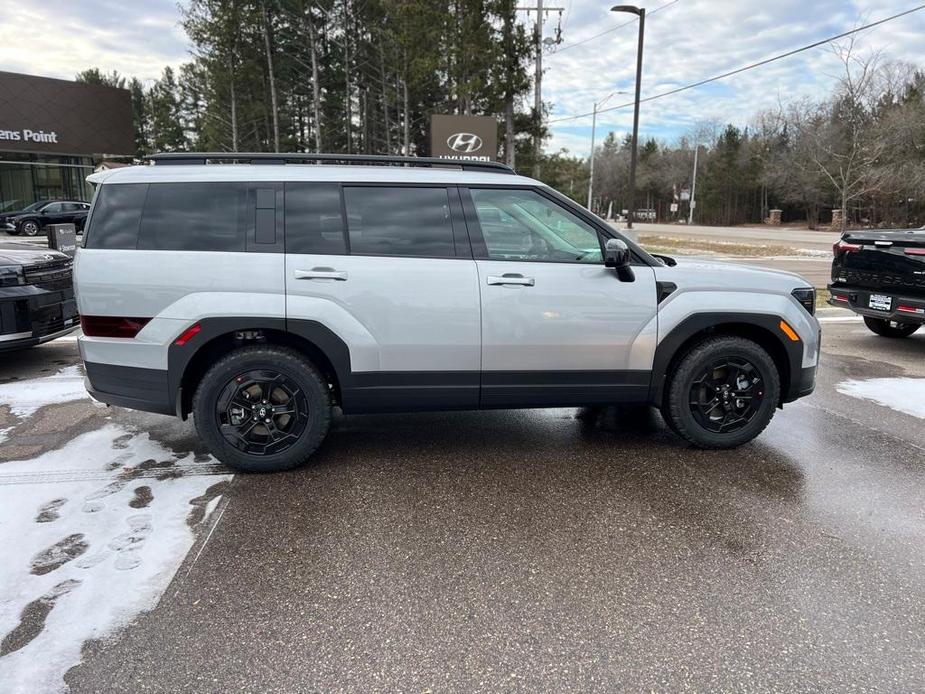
<point x="686" y="41"/>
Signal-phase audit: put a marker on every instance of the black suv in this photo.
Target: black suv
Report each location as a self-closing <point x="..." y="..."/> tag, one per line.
<point x="32" y="221"/>
<point x="36" y="296"/>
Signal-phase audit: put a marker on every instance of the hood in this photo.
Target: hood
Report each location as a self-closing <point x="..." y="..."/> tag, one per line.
<point x="724" y="276"/>
<point x="27" y="254"/>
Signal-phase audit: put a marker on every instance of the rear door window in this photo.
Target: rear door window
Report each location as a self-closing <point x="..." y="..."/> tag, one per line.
<point x="402" y="221"/>
<point x="314" y="219"/>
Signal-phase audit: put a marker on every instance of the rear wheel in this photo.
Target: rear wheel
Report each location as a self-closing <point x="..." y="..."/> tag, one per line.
<point x="722" y="393"/>
<point x="890" y="328"/>
<point x="262" y="409"/>
<point x="30" y="228"/>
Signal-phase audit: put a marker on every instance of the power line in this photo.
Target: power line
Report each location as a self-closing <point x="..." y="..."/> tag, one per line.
<point x="611" y="29"/>
<point x="747" y="67"/>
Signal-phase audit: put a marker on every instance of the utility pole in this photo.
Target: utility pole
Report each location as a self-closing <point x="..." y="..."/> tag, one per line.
<point x="597" y="105"/>
<point x="538" y="80"/>
<point x="693" y="204"/>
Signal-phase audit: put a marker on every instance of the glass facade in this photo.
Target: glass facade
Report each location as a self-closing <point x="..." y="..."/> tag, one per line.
<point x="25" y="178"/>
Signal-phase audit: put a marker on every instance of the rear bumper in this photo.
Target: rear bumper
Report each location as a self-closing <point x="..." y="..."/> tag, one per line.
<point x="30" y="316"/>
<point x="857" y="300"/>
<point x="129" y="386"/>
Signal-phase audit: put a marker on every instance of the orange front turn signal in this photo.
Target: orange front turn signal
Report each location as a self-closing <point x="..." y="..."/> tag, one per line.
<point x="789" y="332"/>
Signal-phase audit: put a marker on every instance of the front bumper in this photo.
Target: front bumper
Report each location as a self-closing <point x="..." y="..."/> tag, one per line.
<point x="31" y="315"/>
<point x="857" y="299"/>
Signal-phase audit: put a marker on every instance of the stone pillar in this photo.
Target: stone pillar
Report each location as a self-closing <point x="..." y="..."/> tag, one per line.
<point x="774" y="218"/>
<point x="836" y="218"/>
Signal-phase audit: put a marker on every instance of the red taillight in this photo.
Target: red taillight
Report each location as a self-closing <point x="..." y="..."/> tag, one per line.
<point x="188" y="334"/>
<point x="111" y="326"/>
<point x="915" y="251"/>
<point x="910" y="309"/>
<point x="843" y="246"/>
<point x="839" y="297"/>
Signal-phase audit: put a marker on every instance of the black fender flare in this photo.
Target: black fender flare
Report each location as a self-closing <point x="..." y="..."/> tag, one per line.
<point x="319" y="336"/>
<point x="787" y="354"/>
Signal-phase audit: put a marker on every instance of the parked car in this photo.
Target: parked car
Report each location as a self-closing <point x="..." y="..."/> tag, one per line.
<point x="33" y="222"/>
<point x="36" y="296"/>
<point x="6" y="217"/>
<point x="880" y="275"/>
<point x="257" y="297"/>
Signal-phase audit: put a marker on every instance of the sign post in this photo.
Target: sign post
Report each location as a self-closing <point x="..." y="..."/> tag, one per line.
<point x="63" y="238"/>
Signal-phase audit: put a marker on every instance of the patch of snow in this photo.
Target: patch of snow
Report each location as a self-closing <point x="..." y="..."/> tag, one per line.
<point x="814" y="252"/>
<point x="25" y="397"/>
<point x="905" y="395"/>
<point x="111" y="559"/>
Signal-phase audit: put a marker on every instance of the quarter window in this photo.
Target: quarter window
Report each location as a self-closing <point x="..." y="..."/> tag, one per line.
<point x="524" y="225"/>
<point x="404" y="221"/>
<point x="194" y="217"/>
<point x="116" y="215"/>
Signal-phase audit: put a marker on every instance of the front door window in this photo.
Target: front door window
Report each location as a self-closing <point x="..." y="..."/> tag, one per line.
<point x="523" y="225"/>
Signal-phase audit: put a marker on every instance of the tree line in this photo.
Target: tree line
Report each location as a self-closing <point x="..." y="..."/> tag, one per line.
<point x="349" y="76"/>
<point x="363" y="76"/>
<point x="860" y="150"/>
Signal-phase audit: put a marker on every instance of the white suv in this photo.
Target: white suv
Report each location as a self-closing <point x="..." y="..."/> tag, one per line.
<point x="256" y="292"/>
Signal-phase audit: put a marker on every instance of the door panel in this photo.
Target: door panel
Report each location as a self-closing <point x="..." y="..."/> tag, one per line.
<point x="411" y="323"/>
<point x="558" y="327"/>
<point x="572" y="317"/>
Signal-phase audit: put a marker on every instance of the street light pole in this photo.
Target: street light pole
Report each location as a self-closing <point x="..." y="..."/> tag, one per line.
<point x="641" y="13"/>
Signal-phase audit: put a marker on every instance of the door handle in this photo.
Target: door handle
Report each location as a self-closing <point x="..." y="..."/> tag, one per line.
<point x="320" y="273"/>
<point x="511" y="278"/>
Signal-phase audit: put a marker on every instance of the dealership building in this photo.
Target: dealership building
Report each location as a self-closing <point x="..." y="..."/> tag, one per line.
<point x="53" y="133"/>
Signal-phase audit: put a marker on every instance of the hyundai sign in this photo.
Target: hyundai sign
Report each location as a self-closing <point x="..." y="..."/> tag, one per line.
<point x="472" y="138"/>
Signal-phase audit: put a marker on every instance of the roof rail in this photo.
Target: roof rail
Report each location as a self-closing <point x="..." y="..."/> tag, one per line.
<point x="175" y="158"/>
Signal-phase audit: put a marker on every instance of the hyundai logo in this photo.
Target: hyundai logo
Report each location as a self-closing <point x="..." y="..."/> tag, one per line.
<point x="464" y="142"/>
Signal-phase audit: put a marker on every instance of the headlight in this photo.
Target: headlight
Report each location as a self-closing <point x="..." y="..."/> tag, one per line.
<point x="807" y="297"/>
<point x="11" y="276"/>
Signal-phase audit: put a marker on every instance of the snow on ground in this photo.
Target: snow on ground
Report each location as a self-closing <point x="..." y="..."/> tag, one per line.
<point x="90" y="536"/>
<point x="901" y="394"/>
<point x="25" y="397"/>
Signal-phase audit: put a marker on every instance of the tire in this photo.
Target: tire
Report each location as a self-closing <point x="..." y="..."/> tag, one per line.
<point x="30" y="228"/>
<point x="744" y="412"/>
<point x="216" y="414"/>
<point x="888" y="328"/>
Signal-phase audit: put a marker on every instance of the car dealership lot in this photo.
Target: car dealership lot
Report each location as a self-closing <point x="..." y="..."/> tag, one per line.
<point x="546" y="549"/>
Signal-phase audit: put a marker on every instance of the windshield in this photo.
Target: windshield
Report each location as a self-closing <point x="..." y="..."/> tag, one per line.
<point x="35" y="206"/>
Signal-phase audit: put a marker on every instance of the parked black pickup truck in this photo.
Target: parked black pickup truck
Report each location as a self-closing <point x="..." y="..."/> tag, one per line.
<point x="881" y="276"/>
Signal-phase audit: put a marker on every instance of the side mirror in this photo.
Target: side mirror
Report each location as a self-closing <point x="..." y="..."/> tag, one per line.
<point x="617" y="256"/>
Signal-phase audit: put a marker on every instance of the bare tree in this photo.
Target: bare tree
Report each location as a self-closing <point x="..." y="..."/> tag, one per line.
<point x="841" y="136"/>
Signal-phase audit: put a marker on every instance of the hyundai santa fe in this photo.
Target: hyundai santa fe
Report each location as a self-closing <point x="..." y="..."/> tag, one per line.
<point x="258" y="292"/>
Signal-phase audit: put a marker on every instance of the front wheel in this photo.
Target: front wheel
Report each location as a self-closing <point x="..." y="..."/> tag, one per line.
<point x="30" y="228"/>
<point x="262" y="409"/>
<point x="722" y="393"/>
<point x="890" y="328"/>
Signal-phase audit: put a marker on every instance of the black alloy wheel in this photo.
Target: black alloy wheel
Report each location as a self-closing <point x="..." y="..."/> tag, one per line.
<point x="262" y="408"/>
<point x="727" y="395"/>
<point x="722" y="392"/>
<point x="262" y="412"/>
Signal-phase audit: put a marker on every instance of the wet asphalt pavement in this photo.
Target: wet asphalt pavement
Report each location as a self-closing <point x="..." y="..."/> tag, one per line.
<point x="553" y="550"/>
